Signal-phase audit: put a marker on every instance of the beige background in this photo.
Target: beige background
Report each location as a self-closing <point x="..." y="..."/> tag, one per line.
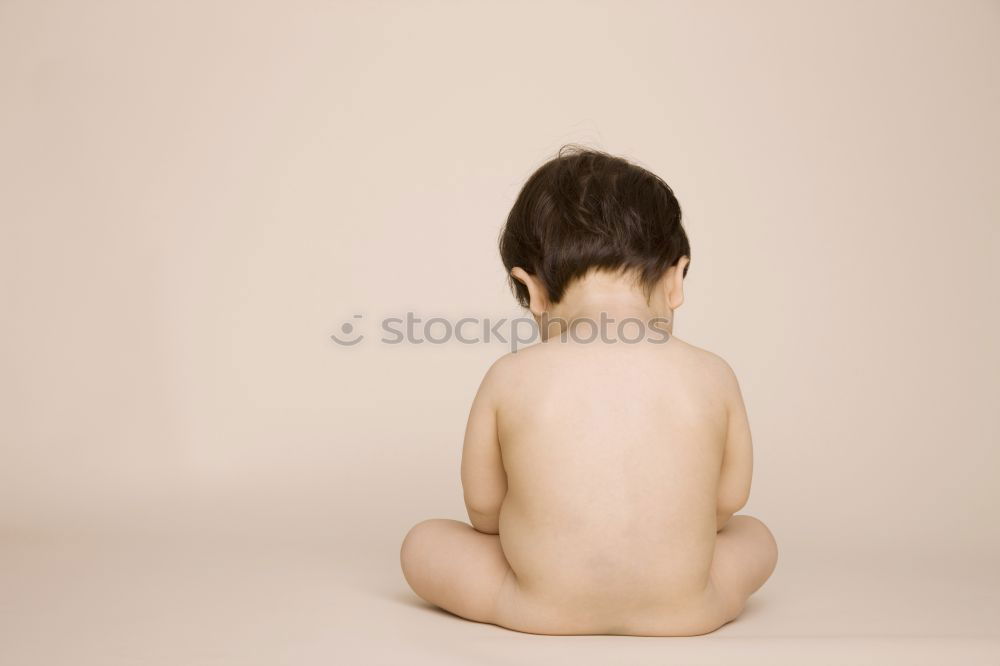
<point x="194" y="196"/>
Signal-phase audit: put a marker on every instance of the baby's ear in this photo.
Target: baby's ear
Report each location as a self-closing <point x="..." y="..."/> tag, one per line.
<point x="538" y="300"/>
<point x="674" y="283"/>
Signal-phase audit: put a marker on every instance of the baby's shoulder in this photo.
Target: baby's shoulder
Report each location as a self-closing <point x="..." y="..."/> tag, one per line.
<point x="514" y="371"/>
<point x="707" y="365"/>
<point x="511" y="365"/>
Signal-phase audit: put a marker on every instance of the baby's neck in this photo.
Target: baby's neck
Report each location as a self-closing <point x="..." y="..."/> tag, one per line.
<point x="610" y="296"/>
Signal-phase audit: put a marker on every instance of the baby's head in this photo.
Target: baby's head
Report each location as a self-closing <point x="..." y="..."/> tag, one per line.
<point x="584" y="211"/>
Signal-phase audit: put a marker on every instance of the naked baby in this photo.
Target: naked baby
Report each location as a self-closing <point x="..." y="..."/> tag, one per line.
<point x="601" y="471"/>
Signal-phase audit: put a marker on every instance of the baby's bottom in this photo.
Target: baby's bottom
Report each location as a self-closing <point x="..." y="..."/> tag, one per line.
<point x="455" y="567"/>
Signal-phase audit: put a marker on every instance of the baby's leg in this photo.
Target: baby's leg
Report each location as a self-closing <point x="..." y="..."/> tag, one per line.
<point x="745" y="555"/>
<point x="451" y="565"/>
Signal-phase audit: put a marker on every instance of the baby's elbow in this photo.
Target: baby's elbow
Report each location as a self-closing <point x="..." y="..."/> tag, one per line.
<point x="487" y="522"/>
<point x="484" y="512"/>
<point x="730" y="503"/>
<point x="724" y="511"/>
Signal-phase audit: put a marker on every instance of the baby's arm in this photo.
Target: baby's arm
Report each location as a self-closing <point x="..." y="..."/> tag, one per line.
<point x="484" y="481"/>
<point x="737" y="460"/>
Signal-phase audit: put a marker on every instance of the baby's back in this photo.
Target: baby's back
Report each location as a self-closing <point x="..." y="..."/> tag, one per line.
<point x="612" y="454"/>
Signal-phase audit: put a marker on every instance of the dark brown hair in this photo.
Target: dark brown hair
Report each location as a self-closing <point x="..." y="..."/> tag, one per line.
<point x="586" y="209"/>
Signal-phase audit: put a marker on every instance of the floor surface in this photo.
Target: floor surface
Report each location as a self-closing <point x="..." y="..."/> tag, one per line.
<point x="214" y="600"/>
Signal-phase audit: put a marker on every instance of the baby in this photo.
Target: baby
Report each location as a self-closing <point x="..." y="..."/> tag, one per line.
<point x="602" y="466"/>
